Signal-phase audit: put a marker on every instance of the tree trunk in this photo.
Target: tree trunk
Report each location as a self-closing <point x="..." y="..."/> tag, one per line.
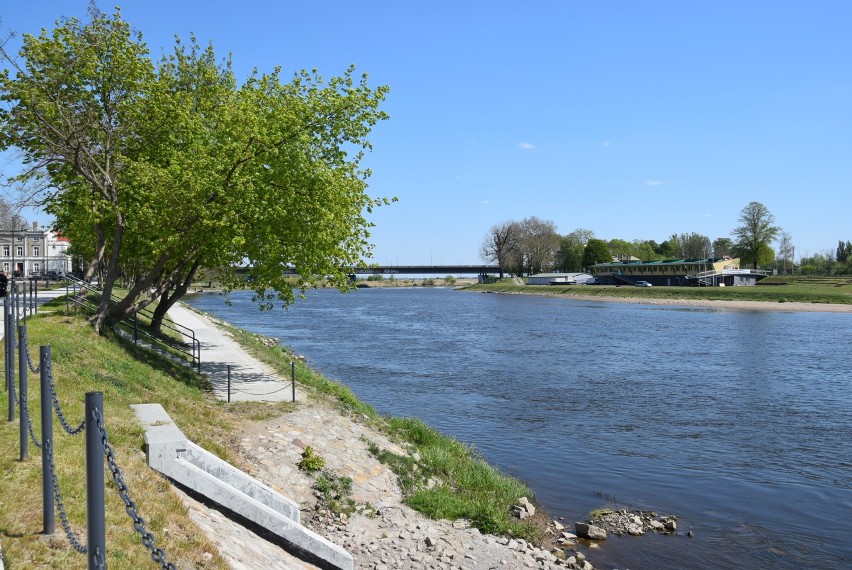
<point x="167" y="300"/>
<point x="103" y="312"/>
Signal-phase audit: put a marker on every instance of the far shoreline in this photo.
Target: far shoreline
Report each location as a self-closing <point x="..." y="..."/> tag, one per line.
<point x="787" y="307"/>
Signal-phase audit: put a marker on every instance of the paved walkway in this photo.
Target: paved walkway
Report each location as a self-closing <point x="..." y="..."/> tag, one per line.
<point x="250" y="379"/>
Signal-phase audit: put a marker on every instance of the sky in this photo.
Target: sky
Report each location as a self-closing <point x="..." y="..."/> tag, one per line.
<point x="635" y="120"/>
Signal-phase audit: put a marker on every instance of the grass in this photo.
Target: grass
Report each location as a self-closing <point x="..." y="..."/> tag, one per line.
<point x="82" y="362"/>
<point x="832" y="290"/>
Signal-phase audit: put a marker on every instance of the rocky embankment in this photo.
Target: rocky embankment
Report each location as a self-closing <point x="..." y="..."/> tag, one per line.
<point x="379" y="530"/>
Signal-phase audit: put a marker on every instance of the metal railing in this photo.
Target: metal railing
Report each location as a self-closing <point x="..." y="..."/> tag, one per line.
<point x="98" y="452"/>
<point x="190" y="351"/>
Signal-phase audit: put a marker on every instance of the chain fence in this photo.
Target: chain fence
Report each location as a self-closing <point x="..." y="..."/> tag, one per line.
<point x="99" y="452"/>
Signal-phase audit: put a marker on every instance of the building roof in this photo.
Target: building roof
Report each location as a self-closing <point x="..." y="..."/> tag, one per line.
<point x="696" y="261"/>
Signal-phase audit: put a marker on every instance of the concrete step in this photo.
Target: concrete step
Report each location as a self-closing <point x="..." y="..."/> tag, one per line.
<point x="173" y="455"/>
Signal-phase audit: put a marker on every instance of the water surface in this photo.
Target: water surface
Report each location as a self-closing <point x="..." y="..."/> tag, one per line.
<point x="739" y="422"/>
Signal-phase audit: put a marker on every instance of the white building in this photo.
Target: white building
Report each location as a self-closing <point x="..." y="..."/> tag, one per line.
<point x="33" y="252"/>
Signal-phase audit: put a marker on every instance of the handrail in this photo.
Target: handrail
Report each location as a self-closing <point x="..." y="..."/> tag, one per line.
<point x="193" y="354"/>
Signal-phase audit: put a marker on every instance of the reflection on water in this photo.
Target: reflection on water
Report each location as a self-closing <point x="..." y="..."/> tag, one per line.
<point x="739" y="422"/>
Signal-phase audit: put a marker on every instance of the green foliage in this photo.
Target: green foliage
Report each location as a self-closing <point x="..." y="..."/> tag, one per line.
<point x="596" y="251"/>
<point x="444" y="478"/>
<point x="754" y="234"/>
<point x="158" y="170"/>
<point x="310" y="461"/>
<point x="336" y="492"/>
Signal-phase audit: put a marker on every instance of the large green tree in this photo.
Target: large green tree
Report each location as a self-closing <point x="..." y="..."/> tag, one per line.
<point x="570" y="254"/>
<point x="159" y="169"/>
<point x="596" y="251"/>
<point x="752" y="237"/>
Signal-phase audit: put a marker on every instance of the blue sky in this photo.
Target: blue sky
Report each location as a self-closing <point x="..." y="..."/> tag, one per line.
<point x="635" y="120"/>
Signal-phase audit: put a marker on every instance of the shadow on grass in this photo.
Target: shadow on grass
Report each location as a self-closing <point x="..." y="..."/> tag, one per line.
<point x="180" y="372"/>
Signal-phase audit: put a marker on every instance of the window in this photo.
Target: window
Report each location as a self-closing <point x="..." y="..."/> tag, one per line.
<point x="19" y="249"/>
<point x="5" y="251"/>
<point x="5" y="266"/>
<point x="36" y="267"/>
<point x="36" y="250"/>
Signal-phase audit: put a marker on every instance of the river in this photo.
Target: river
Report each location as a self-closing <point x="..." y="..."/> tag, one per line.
<point x="737" y="421"/>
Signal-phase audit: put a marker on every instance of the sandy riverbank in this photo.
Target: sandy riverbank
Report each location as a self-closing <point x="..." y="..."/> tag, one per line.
<point x="790" y="307"/>
<point x="741" y="305"/>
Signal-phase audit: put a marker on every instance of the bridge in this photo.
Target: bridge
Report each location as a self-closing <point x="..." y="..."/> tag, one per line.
<point x="408" y="270"/>
<point x="424" y="270"/>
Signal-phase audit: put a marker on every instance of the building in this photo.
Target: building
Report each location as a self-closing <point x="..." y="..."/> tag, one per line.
<point x="33" y="252"/>
<point x="560" y="279"/>
<point x="722" y="271"/>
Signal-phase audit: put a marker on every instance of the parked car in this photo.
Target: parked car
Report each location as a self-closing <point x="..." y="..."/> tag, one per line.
<point x="54" y="275"/>
<point x="643" y="284"/>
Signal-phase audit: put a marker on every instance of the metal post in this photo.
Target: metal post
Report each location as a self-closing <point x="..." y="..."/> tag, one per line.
<point x="22" y="376"/>
<point x="229" y="383"/>
<point x="46" y="442"/>
<point x="35" y="297"/>
<point x="293" y="376"/>
<point x="135" y="329"/>
<point x="66" y="297"/>
<point x="10" y="364"/>
<point x="95" y="509"/>
<point x="6" y="342"/>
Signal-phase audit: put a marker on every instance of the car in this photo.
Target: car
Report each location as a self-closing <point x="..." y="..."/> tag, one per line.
<point x="643" y="284"/>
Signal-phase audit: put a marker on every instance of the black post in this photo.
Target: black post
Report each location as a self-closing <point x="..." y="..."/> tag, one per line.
<point x="46" y="442"/>
<point x="229" y="383"/>
<point x="6" y="334"/>
<point x="293" y="376"/>
<point x="10" y="363"/>
<point x="66" y="297"/>
<point x="95" y="508"/>
<point x="135" y="329"/>
<point x="35" y="294"/>
<point x="22" y="378"/>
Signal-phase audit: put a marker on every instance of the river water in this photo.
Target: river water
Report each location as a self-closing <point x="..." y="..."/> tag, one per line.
<point x="739" y="422"/>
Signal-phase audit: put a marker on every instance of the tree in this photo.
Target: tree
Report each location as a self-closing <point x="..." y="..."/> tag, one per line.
<point x="157" y="171"/>
<point x="500" y="242"/>
<point x="723" y="247"/>
<point x="844" y="250"/>
<point x="754" y="234"/>
<point x="786" y="250"/>
<point x="570" y="253"/>
<point x="9" y="218"/>
<point x="596" y="251"/>
<point x="538" y="243"/>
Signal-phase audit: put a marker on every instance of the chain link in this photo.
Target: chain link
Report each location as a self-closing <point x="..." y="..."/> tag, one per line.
<point x="26" y="349"/>
<point x="65" y="425"/>
<point x="158" y="555"/>
<point x="29" y="422"/>
<point x="72" y="538"/>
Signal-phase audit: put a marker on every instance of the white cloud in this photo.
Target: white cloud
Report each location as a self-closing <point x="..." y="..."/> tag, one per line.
<point x="526" y="145"/>
<point x="655" y="182"/>
<point x="606" y="144"/>
<point x="486" y="202"/>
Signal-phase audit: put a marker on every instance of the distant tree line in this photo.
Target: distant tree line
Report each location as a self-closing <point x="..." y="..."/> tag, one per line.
<point x="533" y="245"/>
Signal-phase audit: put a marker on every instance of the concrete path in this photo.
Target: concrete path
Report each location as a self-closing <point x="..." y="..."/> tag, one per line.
<point x="250" y="379"/>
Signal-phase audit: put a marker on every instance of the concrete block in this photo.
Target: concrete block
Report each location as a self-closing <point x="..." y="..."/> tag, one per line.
<point x="170" y="453"/>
